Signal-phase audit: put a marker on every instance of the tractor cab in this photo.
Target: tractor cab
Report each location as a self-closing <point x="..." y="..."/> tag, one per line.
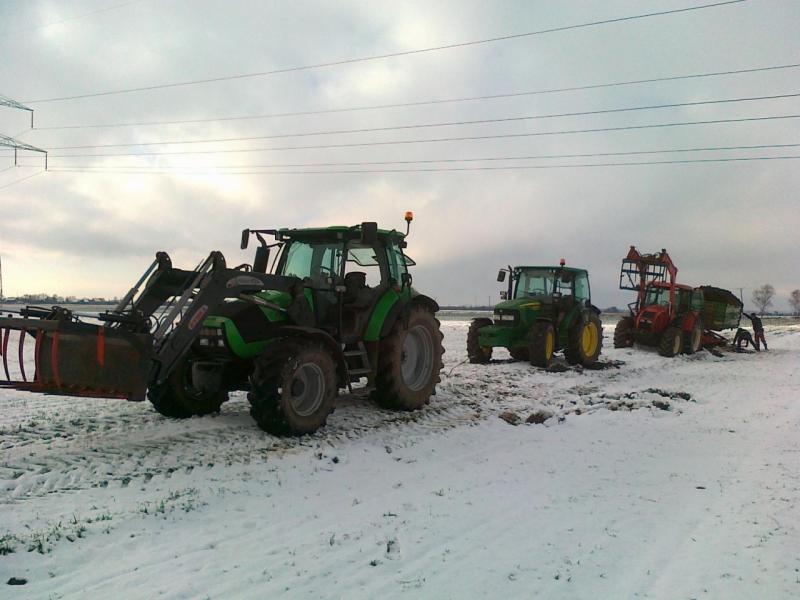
<point x="345" y="272"/>
<point x="560" y="286"/>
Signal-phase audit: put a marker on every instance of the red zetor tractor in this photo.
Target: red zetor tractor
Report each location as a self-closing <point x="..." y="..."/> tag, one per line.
<point x="666" y="315"/>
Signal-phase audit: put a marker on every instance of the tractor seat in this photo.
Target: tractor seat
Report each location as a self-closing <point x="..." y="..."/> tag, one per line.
<point x="356" y="294"/>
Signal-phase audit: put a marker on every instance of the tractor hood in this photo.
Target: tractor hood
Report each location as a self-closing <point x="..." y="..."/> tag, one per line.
<point x="533" y="303"/>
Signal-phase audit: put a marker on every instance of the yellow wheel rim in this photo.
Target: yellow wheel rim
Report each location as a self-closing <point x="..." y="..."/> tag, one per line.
<point x="549" y="342"/>
<point x="486" y="351"/>
<point x="589" y="339"/>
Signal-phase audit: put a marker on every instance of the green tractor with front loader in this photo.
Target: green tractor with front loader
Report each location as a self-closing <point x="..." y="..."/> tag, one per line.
<point x="544" y="310"/>
<point x="336" y="306"/>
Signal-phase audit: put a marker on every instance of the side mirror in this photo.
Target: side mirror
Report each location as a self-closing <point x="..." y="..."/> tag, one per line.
<point x="261" y="260"/>
<point x="503" y="295"/>
<point x="245" y="238"/>
<point x="369" y="233"/>
<point x="501" y="275"/>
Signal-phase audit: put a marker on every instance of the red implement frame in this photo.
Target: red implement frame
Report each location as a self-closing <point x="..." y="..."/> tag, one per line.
<point x="77" y="359"/>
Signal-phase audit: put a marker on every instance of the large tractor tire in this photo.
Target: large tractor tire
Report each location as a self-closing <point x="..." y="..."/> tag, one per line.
<point x="192" y="389"/>
<point x="409" y="362"/>
<point x="693" y="339"/>
<point x="520" y="353"/>
<point x="292" y="388"/>
<point x="585" y="341"/>
<point x="542" y="345"/>
<point x="477" y="354"/>
<point x="671" y="342"/>
<point x="623" y="332"/>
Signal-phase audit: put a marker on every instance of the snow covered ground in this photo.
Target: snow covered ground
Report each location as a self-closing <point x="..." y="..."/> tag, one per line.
<point x="655" y="478"/>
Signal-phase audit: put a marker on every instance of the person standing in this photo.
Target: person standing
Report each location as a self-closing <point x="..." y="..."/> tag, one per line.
<point x="758" y="331"/>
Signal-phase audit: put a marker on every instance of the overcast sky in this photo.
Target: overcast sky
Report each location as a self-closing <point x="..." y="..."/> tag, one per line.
<point x="91" y="224"/>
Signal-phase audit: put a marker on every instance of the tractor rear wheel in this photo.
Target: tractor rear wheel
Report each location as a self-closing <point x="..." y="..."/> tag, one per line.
<point x="292" y="388"/>
<point x="192" y="389"/>
<point x="543" y="343"/>
<point x="409" y="362"/>
<point x="520" y="353"/>
<point x="693" y="339"/>
<point x="623" y="332"/>
<point x="478" y="354"/>
<point x="585" y="341"/>
<point x="671" y="342"/>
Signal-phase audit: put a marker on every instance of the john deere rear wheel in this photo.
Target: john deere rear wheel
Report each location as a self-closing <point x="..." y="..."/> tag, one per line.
<point x="192" y="389"/>
<point x="292" y="388"/>
<point x="478" y="354"/>
<point x="543" y="343"/>
<point x="409" y="361"/>
<point x="623" y="332"/>
<point x="671" y="342"/>
<point x="585" y="341"/>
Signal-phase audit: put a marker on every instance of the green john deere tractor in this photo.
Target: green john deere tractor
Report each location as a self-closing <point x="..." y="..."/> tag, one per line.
<point x="545" y="309"/>
<point x="336" y="306"/>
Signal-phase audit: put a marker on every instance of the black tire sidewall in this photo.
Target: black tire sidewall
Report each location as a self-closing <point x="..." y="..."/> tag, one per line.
<point x="474" y="349"/>
<point x="537" y="350"/>
<point x="271" y="388"/>
<point x="392" y="391"/>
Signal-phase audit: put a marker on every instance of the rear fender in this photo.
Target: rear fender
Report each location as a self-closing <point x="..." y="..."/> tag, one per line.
<point x="397" y="308"/>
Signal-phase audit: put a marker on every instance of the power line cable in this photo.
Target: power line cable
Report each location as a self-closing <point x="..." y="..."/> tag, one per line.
<point x="7" y="33"/>
<point x="436" y="140"/>
<point x="21" y="180"/>
<point x="430" y="125"/>
<point x="426" y="102"/>
<point x="504" y="168"/>
<point x="391" y="55"/>
<point x="101" y="168"/>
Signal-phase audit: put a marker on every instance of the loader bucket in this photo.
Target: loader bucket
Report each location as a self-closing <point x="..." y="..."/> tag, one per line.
<point x="76" y="359"/>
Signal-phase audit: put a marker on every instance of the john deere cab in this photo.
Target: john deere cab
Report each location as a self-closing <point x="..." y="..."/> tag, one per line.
<point x="336" y="305"/>
<point x="544" y="310"/>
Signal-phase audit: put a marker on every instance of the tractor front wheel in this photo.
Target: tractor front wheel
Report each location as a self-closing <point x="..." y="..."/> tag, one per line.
<point x="292" y="388"/>
<point x="543" y="343"/>
<point x="478" y="354"/>
<point x="409" y="361"/>
<point x="623" y="332"/>
<point x="585" y="341"/>
<point x="693" y="339"/>
<point x="520" y="353"/>
<point x="192" y="389"/>
<point x="671" y="342"/>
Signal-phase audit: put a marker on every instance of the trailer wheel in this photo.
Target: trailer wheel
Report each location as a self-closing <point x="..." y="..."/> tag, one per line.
<point x="409" y="362"/>
<point x="693" y="339"/>
<point x="543" y="344"/>
<point x="478" y="354"/>
<point x="623" y="332"/>
<point x="192" y="389"/>
<point x="585" y="341"/>
<point x="520" y="353"/>
<point x="671" y="342"/>
<point x="292" y="388"/>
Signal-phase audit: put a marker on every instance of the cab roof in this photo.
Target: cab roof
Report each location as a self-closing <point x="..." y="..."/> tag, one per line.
<point x="551" y="268"/>
<point x="335" y="232"/>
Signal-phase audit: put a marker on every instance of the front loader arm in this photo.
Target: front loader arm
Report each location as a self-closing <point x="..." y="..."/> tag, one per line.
<point x="209" y="287"/>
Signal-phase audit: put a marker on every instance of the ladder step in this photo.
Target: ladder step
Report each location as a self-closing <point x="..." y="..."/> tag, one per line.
<point x="355" y="352"/>
<point x="359" y="371"/>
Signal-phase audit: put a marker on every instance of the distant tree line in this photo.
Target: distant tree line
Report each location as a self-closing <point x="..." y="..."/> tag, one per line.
<point x="55" y="299"/>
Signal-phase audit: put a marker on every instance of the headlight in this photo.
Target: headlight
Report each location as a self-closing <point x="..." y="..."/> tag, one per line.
<point x="506" y="318"/>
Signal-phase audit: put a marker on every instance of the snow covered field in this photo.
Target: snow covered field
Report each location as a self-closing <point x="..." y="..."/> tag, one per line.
<point x="655" y="478"/>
